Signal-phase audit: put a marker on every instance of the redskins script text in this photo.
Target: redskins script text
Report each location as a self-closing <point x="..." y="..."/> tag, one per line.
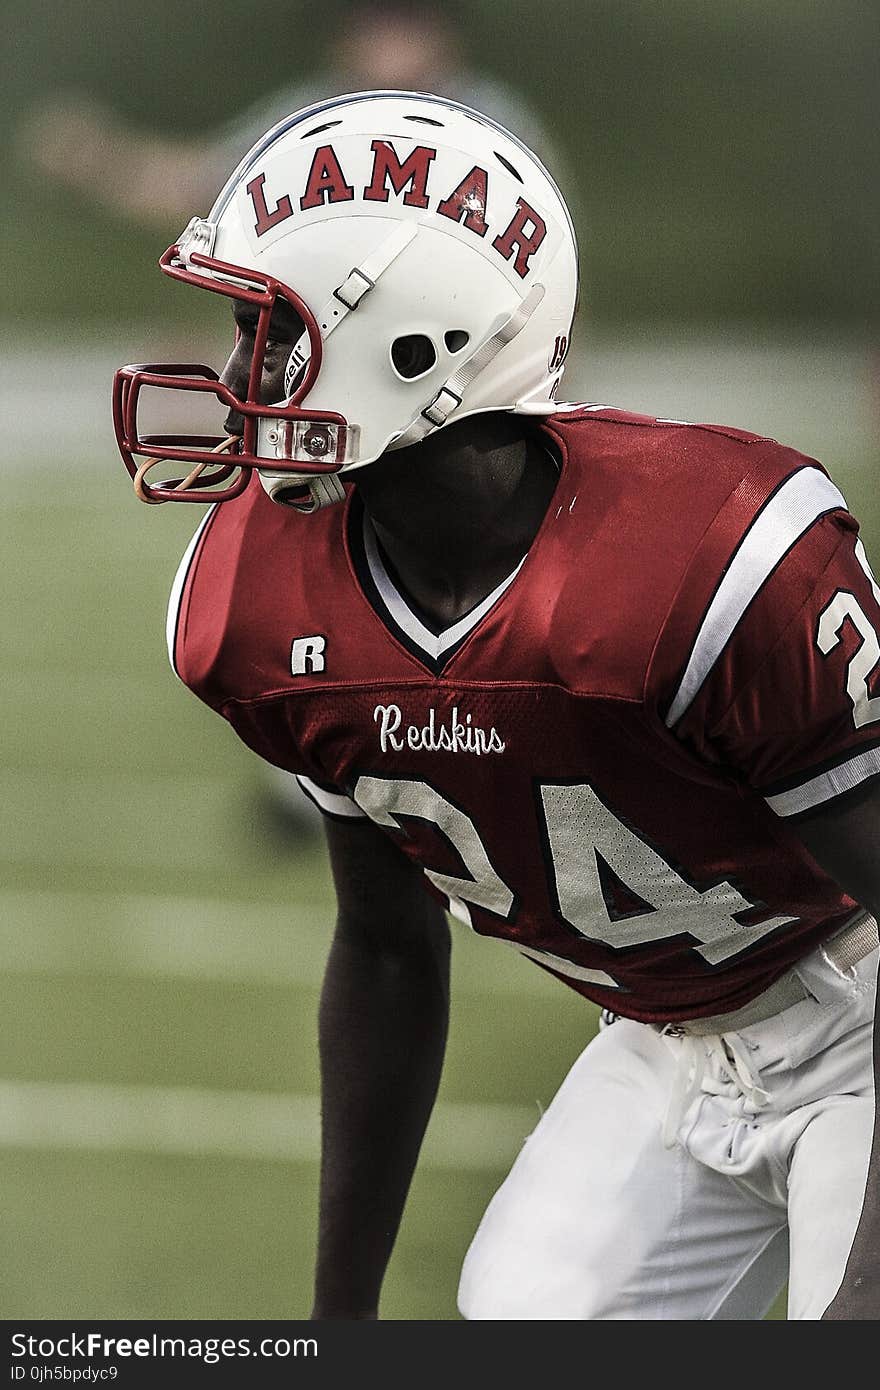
<point x="458" y="735"/>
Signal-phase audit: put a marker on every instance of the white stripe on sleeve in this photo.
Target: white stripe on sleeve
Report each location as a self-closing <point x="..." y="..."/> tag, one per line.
<point x="799" y="502"/>
<point x="334" y="803"/>
<point x="827" y="785"/>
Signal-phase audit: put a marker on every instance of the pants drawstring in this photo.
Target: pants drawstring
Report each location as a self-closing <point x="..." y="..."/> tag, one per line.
<point x="710" y="1064"/>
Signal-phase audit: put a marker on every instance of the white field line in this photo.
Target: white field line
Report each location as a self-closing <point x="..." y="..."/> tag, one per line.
<point x="205" y="940"/>
<point x="188" y="1122"/>
<point x="87" y="683"/>
<point x="84" y="786"/>
<point x="800" y="389"/>
<point x="163" y="937"/>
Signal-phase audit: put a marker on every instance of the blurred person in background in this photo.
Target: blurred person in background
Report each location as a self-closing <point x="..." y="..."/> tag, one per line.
<point x="158" y="179"/>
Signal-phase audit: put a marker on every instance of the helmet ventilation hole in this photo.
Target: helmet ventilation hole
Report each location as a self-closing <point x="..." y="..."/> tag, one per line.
<point x="424" y="120"/>
<point x="508" y="166"/>
<point x="413" y="355"/>
<point x="456" y="339"/>
<point x="319" y="129"/>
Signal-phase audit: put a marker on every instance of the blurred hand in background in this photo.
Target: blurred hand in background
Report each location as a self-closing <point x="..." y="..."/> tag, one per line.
<point x="158" y="178"/>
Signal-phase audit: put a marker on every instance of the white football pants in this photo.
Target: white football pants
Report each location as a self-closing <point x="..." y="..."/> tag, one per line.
<point x="682" y="1177"/>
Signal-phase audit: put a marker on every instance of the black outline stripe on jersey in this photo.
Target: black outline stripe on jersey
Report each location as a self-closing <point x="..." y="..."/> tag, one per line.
<point x="185" y="569"/>
<point x="465" y="877"/>
<point x="665" y="709"/>
<point x="693" y="944"/>
<point x="357" y="550"/>
<point x="799" y="779"/>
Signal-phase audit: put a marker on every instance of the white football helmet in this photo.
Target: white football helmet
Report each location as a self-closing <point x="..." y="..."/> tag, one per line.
<point x="432" y="261"/>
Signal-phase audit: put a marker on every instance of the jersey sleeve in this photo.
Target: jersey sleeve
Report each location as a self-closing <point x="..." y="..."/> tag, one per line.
<point x="208" y="650"/>
<point x="782" y="681"/>
<point x="333" y="803"/>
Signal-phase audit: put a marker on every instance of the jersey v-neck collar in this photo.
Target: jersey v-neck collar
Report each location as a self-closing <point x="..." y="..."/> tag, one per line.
<point x="436" y="645"/>
<point x="434" y="649"/>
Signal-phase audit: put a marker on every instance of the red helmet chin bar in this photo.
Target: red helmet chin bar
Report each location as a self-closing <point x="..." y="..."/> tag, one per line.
<point x="306" y="442"/>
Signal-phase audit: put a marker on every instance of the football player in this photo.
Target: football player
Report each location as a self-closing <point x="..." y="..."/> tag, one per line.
<point x="603" y="687"/>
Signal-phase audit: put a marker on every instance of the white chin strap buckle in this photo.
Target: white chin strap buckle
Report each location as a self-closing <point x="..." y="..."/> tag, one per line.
<point x="351" y="291"/>
<point x="438" y="411"/>
<point x="347" y="296"/>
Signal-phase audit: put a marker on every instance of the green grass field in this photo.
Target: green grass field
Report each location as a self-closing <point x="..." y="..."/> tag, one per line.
<point x="161" y="954"/>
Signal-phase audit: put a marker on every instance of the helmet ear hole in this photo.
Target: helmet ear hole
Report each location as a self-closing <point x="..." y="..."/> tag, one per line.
<point x="413" y="355"/>
<point x="456" y="339"/>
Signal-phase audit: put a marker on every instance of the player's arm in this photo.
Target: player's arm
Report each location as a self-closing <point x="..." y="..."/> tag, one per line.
<point x="844" y="838"/>
<point x="382" y="1034"/>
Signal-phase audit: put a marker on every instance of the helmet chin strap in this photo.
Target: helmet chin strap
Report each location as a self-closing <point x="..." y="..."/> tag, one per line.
<point x="324" y="489"/>
<point x="327" y="488"/>
<point x="449" y="397"/>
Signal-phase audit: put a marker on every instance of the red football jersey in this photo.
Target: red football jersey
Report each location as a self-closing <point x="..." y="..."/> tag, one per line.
<point x="599" y="763"/>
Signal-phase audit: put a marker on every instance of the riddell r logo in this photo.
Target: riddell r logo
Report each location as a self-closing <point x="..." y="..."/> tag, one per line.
<point x="307" y="655"/>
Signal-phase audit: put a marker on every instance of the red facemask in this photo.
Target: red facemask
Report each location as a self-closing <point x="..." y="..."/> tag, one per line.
<point x="303" y="442"/>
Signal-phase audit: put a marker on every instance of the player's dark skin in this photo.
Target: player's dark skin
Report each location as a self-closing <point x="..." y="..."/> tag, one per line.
<point x="454" y="515"/>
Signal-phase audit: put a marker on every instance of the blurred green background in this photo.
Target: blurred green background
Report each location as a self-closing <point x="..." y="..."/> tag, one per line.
<point x="161" y="937"/>
<point x="725" y="156"/>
